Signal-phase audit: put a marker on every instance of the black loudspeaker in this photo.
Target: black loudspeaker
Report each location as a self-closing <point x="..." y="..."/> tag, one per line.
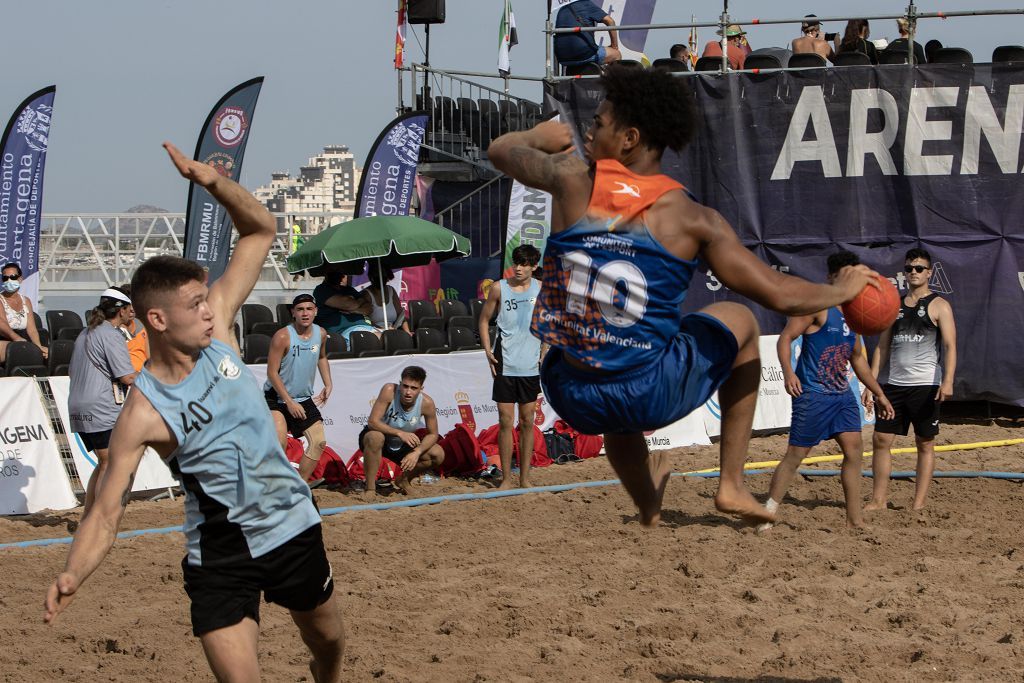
<point x="426" y="11"/>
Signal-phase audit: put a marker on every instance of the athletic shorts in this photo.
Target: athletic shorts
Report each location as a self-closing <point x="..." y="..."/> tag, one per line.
<point x="296" y="427"/>
<point x="597" y="58"/>
<point x="295" y="575"/>
<point x="517" y="390"/>
<point x="818" y="417"/>
<point x="649" y="397"/>
<point x="394" y="448"/>
<point x="912" y="406"/>
<point x="94" y="440"/>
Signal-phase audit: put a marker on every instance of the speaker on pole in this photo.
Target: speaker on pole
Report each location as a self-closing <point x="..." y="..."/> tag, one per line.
<point x="426" y="11"/>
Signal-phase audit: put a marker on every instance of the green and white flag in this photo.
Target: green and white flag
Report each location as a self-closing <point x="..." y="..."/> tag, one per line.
<point x="506" y="38"/>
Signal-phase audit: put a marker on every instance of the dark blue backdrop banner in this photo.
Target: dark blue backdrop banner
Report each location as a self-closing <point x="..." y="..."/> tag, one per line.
<point x="389" y="176"/>
<point x="222" y="142"/>
<point x="874" y="160"/>
<point x="22" y="162"/>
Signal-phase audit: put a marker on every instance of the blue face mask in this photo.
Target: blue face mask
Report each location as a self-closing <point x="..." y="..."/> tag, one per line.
<point x="11" y="286"/>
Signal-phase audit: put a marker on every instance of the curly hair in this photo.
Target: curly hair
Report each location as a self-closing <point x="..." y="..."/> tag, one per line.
<point x="657" y="104"/>
<point x="841" y="259"/>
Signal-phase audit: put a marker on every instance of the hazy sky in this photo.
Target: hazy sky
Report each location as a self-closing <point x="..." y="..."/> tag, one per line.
<point x="131" y="73"/>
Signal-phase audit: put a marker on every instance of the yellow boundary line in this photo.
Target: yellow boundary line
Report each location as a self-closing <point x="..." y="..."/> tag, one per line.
<point x="868" y="454"/>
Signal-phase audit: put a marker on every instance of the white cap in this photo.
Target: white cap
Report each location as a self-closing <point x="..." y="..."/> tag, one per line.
<point x="115" y="294"/>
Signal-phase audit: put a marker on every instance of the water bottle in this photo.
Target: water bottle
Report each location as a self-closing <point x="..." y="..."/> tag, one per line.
<point x="427" y="478"/>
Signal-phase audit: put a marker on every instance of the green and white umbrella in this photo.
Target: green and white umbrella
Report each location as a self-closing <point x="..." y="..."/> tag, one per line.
<point x="392" y="241"/>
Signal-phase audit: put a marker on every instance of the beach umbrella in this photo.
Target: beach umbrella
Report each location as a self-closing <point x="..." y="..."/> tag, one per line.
<point x="392" y="241"/>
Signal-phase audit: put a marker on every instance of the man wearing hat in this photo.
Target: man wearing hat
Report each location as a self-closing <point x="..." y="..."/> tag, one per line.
<point x="297" y="351"/>
<point x="101" y="371"/>
<point x="738" y="47"/>
<point x="812" y="41"/>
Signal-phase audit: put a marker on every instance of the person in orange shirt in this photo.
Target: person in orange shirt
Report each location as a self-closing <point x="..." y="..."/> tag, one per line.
<point x="738" y="46"/>
<point x="135" y="333"/>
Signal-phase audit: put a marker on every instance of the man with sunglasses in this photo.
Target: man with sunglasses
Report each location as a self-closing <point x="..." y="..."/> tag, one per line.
<point x="915" y="361"/>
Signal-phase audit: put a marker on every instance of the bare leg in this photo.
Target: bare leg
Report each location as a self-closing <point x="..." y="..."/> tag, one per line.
<point x="373" y="442"/>
<point x="232" y="652"/>
<point x="853" y="464"/>
<point x="527" y="414"/>
<point x="281" y="427"/>
<point x="786" y="470"/>
<point x="881" y="467"/>
<point x="317" y="443"/>
<point x="95" y="480"/>
<point x="738" y="398"/>
<point x="506" y="423"/>
<point x="925" y="469"/>
<point x="3" y="351"/>
<point x="644" y="476"/>
<point x="323" y="633"/>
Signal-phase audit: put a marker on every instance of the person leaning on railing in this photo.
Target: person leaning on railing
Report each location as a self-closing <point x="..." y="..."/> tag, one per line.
<point x="16" y="322"/>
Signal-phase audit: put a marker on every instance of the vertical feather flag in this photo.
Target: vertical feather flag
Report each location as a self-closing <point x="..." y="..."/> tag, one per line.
<point x="403" y="24"/>
<point x="507" y="38"/>
<point x="694" y="44"/>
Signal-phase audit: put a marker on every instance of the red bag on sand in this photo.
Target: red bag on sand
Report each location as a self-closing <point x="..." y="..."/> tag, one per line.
<point x="488" y="440"/>
<point x="331" y="468"/>
<point x="585" y="445"/>
<point x="461" y="453"/>
<point x="387" y="470"/>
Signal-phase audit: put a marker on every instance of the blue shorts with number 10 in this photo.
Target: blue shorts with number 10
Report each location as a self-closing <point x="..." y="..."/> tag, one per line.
<point x="649" y="397"/>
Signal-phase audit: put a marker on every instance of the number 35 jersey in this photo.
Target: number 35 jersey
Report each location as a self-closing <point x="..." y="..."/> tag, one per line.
<point x="242" y="496"/>
<point x="611" y="293"/>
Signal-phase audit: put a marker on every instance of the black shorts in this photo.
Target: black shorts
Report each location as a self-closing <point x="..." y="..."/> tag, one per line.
<point x="518" y="390"/>
<point x="94" y="440"/>
<point x="296" y="427"/>
<point x="912" y="406"/>
<point x="295" y="575"/>
<point x="394" y="448"/>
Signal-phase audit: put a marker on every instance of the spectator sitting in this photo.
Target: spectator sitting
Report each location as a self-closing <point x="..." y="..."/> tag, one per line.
<point x="812" y="42"/>
<point x="572" y="49"/>
<point x="134" y="332"/>
<point x="931" y="47"/>
<point x="901" y="43"/>
<point x="340" y="308"/>
<point x="681" y="53"/>
<point x="16" y="322"/>
<point x="855" y="39"/>
<point x="390" y="431"/>
<point x="738" y="47"/>
<point x="391" y="307"/>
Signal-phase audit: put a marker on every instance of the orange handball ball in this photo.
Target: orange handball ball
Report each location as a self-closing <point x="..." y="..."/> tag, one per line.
<point x="873" y="310"/>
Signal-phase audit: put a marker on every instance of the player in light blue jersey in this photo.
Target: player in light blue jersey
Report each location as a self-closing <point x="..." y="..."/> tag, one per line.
<point x="514" y="358"/>
<point x="297" y="352"/>
<point x="251" y="526"/>
<point x="625" y="241"/>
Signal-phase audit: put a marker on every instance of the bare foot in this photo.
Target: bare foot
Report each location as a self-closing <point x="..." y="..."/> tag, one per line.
<point x="660" y="471"/>
<point x="739" y="502"/>
<point x="525" y="483"/>
<point x="859" y="524"/>
<point x="875" y="505"/>
<point x="403" y="484"/>
<point x="506" y="484"/>
<point x="919" y="506"/>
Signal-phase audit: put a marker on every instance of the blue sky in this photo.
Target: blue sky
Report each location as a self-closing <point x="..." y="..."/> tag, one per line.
<point x="131" y="73"/>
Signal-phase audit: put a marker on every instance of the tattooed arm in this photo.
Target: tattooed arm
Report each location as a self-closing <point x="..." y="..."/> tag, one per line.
<point x="137" y="427"/>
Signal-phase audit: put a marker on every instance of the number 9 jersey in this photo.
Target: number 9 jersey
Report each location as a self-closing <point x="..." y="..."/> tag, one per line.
<point x="611" y="292"/>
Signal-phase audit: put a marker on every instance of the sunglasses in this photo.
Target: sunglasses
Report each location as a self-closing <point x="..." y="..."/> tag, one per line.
<point x="9" y="277"/>
<point x="912" y="269"/>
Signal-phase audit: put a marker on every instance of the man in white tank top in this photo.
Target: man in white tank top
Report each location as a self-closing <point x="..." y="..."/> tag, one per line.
<point x="915" y="362"/>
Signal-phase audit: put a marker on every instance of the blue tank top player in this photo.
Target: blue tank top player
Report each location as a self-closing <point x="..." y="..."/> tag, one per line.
<point x="251" y="527"/>
<point x="514" y="358"/>
<point x="824" y="406"/>
<point x="297" y="351"/>
<point x="400" y="411"/>
<point x="625" y="242"/>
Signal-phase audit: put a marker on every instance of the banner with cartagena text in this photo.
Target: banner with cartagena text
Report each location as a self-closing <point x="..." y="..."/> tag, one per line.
<point x="32" y="477"/>
<point x="386" y="188"/>
<point x="221" y="144"/>
<point x="876" y="161"/>
<point x="22" y="163"/>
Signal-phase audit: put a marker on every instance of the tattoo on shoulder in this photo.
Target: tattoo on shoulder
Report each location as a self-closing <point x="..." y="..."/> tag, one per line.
<point x="127" y="492"/>
<point x="533" y="166"/>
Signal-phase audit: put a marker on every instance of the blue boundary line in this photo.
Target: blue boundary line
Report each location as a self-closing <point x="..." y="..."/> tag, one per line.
<point x="556" y="488"/>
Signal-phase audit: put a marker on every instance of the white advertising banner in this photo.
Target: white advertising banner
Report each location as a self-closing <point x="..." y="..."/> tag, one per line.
<point x="774" y="409"/>
<point x="32" y="477"/>
<point x="152" y="473"/>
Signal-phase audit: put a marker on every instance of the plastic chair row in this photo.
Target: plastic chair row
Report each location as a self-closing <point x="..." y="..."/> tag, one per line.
<point x="24" y="359"/>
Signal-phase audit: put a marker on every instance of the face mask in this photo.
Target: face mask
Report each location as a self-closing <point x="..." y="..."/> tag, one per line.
<point x="11" y="286"/>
